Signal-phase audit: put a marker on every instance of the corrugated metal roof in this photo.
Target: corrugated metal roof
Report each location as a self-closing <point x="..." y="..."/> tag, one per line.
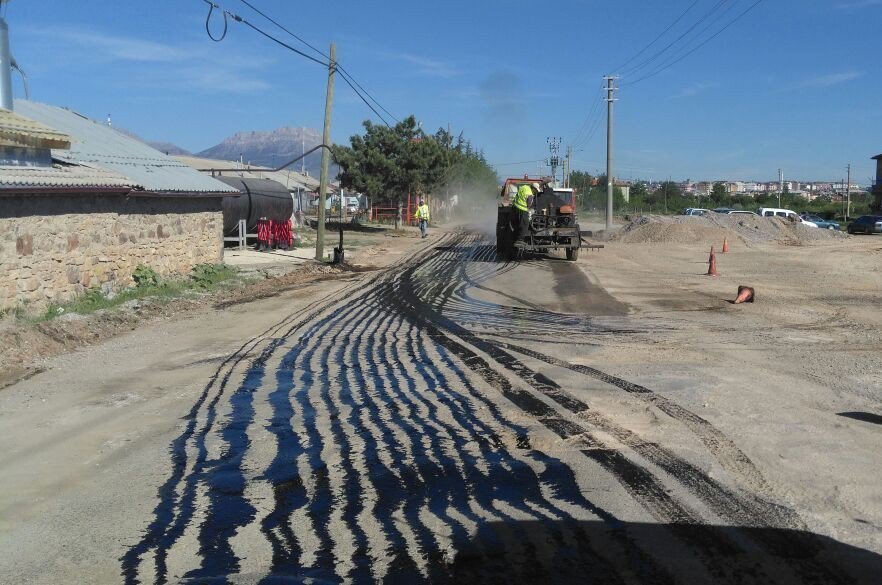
<point x="60" y="176"/>
<point x="291" y="179"/>
<point x="17" y="130"/>
<point x="98" y="145"/>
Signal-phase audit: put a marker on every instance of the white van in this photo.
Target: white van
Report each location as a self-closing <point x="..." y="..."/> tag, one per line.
<point x="784" y="214"/>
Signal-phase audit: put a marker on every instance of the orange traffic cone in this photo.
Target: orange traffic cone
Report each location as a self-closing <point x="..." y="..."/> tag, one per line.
<point x="712" y="255"/>
<point x="745" y="295"/>
<point x="725" y="245"/>
<point x="712" y="264"/>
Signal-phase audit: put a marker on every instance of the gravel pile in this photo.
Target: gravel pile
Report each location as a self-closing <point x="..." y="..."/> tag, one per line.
<point x="750" y="230"/>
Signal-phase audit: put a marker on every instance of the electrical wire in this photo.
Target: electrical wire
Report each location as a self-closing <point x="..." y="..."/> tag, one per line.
<point x="589" y="120"/>
<point x="670" y="64"/>
<point x="367" y="103"/>
<point x="340" y="69"/>
<point x="667" y="47"/>
<point x="211" y="7"/>
<point x="278" y="24"/>
<point x="656" y="39"/>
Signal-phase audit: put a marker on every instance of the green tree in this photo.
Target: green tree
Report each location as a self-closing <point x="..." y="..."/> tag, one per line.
<point x="719" y="192"/>
<point x="389" y="163"/>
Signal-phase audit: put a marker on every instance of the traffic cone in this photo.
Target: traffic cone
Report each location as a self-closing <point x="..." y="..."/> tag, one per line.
<point x="712" y="264"/>
<point x="745" y="295"/>
<point x="725" y="245"/>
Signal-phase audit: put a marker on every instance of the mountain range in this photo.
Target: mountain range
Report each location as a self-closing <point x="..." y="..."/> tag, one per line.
<point x="272" y="149"/>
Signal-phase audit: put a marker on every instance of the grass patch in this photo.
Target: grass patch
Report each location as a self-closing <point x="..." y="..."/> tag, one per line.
<point x="204" y="278"/>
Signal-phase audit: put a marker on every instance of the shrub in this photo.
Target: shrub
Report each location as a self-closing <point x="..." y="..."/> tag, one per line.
<point x="206" y="275"/>
<point x="145" y="276"/>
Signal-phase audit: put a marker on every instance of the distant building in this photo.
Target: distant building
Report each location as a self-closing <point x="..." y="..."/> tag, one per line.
<point x="82" y="205"/>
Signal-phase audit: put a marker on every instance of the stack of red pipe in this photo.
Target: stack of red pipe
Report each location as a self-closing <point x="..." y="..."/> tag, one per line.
<point x="264" y="233"/>
<point x="282" y="234"/>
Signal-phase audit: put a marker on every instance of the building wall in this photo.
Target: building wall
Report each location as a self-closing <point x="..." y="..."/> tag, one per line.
<point x="55" y="247"/>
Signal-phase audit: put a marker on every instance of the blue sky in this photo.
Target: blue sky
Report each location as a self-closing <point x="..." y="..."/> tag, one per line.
<point x="794" y="84"/>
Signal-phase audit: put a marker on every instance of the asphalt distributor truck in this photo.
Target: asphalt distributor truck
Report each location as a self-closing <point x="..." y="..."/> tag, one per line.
<point x="553" y="222"/>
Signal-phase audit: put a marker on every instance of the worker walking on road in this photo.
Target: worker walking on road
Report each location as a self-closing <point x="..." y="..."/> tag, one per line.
<point x="422" y="216"/>
<point x="521" y="205"/>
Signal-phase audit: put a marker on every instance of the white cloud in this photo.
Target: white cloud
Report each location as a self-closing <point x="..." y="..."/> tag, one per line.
<point x="857" y="4"/>
<point x="694" y="90"/>
<point x="426" y="66"/>
<point x="146" y="63"/>
<point x="830" y="79"/>
<point x="109" y="47"/>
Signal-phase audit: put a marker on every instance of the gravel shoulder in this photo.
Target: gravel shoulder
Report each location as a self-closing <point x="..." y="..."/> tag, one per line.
<point x="780" y="376"/>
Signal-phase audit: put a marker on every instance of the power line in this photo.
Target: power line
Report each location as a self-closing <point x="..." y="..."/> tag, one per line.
<point x="670" y="64"/>
<point x="278" y="24"/>
<point x="656" y="39"/>
<point x="343" y="72"/>
<point x="237" y="18"/>
<point x="349" y="83"/>
<point x="212" y="6"/>
<point x="659" y="53"/>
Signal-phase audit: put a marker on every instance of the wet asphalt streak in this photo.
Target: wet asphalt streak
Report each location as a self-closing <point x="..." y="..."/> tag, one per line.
<point x="396" y="434"/>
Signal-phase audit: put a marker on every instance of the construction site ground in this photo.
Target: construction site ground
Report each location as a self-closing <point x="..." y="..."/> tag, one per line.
<point x="442" y="416"/>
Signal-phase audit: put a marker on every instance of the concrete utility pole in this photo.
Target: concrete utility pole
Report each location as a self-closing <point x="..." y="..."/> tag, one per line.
<point x="610" y="182"/>
<point x="848" y="195"/>
<point x="326" y="158"/>
<point x="780" y="185"/>
<point x="569" y="167"/>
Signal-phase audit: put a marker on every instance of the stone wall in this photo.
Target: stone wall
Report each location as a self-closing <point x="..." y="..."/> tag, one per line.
<point x="55" y="247"/>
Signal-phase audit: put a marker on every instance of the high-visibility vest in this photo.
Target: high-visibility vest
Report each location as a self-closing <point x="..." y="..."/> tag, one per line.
<point x="520" y="200"/>
<point x="422" y="212"/>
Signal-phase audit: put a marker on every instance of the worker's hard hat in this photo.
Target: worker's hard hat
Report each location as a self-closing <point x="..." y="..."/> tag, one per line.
<point x="536" y="186"/>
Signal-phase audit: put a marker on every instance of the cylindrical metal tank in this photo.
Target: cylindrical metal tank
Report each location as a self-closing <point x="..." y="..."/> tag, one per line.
<point x="259" y="198"/>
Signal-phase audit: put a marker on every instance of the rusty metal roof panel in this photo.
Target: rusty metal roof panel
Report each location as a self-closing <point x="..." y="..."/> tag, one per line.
<point x="60" y="176"/>
<point x="98" y="145"/>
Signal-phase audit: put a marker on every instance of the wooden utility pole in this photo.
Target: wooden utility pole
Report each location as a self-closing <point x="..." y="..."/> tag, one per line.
<point x="326" y="158"/>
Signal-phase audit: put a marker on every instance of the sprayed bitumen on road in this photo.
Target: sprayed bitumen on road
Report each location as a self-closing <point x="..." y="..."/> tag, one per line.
<point x="374" y="438"/>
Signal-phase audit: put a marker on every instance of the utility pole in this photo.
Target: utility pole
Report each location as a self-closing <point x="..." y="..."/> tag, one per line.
<point x="780" y="186"/>
<point x="554" y="159"/>
<point x="610" y="182"/>
<point x="326" y="158"/>
<point x="569" y="167"/>
<point x="848" y="195"/>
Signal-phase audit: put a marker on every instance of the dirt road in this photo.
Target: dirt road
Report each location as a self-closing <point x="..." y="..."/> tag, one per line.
<point x="452" y="418"/>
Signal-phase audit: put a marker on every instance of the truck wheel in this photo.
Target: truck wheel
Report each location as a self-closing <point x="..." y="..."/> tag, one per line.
<point x="572" y="254"/>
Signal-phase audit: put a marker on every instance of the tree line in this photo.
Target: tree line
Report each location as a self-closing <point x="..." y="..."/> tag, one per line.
<point x="669" y="198"/>
<point x="388" y="163"/>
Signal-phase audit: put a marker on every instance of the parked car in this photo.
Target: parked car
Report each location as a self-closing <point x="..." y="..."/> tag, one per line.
<point x="723" y="210"/>
<point x="866" y="224"/>
<point x="784" y="214"/>
<point x="824" y="224"/>
<point x="695" y="211"/>
<point x="737" y="212"/>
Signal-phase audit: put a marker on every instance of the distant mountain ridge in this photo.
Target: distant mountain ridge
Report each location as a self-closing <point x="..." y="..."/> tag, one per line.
<point x="164" y="147"/>
<point x="272" y="149"/>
